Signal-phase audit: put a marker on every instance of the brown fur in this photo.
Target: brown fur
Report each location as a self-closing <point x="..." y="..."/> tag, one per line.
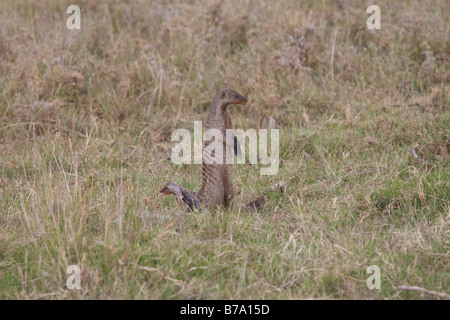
<point x="217" y="184"/>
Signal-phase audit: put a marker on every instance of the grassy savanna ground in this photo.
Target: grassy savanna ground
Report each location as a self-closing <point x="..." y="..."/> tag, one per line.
<point x="86" y="118"/>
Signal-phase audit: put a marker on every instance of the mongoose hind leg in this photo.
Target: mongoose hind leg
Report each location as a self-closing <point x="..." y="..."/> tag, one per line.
<point x="228" y="187"/>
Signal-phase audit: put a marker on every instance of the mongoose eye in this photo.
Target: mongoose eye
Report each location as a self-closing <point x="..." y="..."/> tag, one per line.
<point x="223" y="95"/>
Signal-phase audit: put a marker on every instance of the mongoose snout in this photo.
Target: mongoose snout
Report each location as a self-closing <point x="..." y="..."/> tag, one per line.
<point x="229" y="96"/>
<point x="238" y="99"/>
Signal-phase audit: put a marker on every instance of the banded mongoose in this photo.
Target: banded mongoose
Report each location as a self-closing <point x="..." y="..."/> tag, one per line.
<point x="190" y="198"/>
<point x="217" y="185"/>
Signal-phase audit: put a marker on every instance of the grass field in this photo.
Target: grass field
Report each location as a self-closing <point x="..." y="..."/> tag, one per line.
<point x="86" y="118"/>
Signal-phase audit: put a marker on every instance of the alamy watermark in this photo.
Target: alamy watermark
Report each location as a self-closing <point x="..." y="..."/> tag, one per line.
<point x="74" y="20"/>
<point x="223" y="149"/>
<point x="374" y="281"/>
<point x="74" y="280"/>
<point x="374" y="21"/>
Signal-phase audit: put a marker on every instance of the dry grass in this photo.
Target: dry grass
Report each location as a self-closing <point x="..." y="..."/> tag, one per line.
<point x="85" y="124"/>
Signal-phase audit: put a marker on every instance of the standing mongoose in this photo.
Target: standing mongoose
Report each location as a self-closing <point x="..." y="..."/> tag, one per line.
<point x="217" y="185"/>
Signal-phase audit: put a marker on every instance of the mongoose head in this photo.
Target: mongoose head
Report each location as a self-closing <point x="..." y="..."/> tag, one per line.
<point x="172" y="188"/>
<point x="182" y="195"/>
<point x="227" y="97"/>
